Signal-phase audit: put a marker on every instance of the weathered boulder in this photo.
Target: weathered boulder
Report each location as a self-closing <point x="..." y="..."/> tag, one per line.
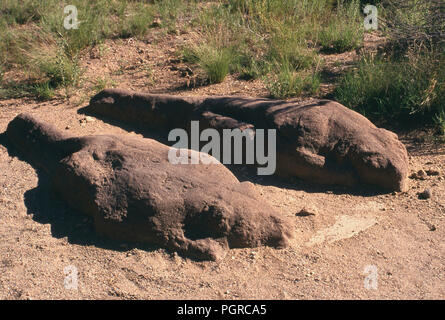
<point x="317" y="140"/>
<point x="135" y="194"/>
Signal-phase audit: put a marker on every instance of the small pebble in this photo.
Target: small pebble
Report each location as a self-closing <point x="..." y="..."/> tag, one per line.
<point x="156" y="23"/>
<point x="432" y="172"/>
<point x="307" y="211"/>
<point x="419" y="175"/>
<point x="426" y="194"/>
<point x="89" y="119"/>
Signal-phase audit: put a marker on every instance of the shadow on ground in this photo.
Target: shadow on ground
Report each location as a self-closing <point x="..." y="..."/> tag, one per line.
<point x="249" y="173"/>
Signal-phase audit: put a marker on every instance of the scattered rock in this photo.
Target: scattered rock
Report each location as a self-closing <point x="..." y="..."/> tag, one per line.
<point x="419" y="175"/>
<point x="432" y="172"/>
<point x="308" y="210"/>
<point x="317" y="140"/>
<point x="134" y="194"/>
<point x="156" y="23"/>
<point x="87" y="119"/>
<point x="186" y="72"/>
<point x="426" y="194"/>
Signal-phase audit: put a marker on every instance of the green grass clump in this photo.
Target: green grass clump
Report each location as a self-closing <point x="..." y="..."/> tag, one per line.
<point x="278" y="39"/>
<point x="34" y="40"/>
<point x="103" y="83"/>
<point x="98" y="20"/>
<point x="138" y="23"/>
<point x="344" y="30"/>
<point x="22" y="12"/>
<point x="404" y="84"/>
<point x="43" y="91"/>
<point x="290" y="83"/>
<point x="408" y="90"/>
<point x="250" y="38"/>
<point x="57" y="68"/>
<point x="439" y="120"/>
<point x="216" y="64"/>
<point x="213" y="60"/>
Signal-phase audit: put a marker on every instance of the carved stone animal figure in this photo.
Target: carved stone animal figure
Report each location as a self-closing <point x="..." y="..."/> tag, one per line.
<point x="135" y="194"/>
<point x="317" y="140"/>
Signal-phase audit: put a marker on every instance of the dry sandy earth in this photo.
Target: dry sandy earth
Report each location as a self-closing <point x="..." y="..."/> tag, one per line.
<point x="330" y="258"/>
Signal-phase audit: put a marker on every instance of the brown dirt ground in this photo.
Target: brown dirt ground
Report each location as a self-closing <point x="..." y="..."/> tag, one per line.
<point x="402" y="236"/>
